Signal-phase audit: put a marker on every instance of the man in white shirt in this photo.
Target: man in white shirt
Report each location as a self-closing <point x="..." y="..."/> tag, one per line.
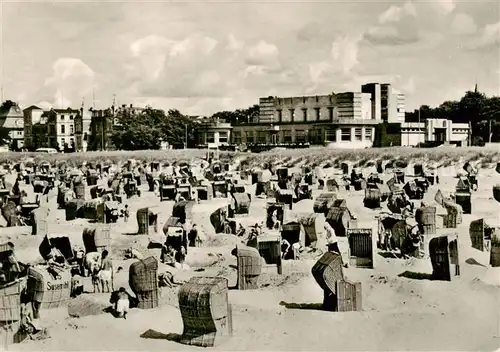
<point x="331" y="239"/>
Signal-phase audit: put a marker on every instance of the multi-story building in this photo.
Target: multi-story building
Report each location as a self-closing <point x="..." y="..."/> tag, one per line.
<point x="12" y="119"/>
<point x="65" y="129"/>
<point x="388" y="103"/>
<point x="35" y="128"/>
<point x="101" y="129"/>
<point x="102" y="123"/>
<point x="339" y="120"/>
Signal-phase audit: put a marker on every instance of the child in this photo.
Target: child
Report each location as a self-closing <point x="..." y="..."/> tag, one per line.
<point x="95" y="280"/>
<point x="126" y="213"/>
<point x="122" y="304"/>
<point x="76" y="283"/>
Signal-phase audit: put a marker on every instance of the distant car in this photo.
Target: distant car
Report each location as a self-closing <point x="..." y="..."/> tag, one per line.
<point x="46" y="150"/>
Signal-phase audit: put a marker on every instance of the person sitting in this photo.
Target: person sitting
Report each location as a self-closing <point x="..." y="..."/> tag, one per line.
<point x="76" y="283"/>
<point x="11" y="268"/>
<point x="122" y="304"/>
<point x="241" y="231"/>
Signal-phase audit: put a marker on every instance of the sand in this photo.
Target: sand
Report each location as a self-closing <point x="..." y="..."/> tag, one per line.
<point x="402" y="309"/>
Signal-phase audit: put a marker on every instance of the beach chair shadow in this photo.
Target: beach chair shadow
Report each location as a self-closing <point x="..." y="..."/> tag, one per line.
<point x="155" y="335"/>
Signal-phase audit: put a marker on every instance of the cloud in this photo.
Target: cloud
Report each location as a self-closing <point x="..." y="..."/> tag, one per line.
<point x="340" y="66"/>
<point x="463" y="23"/>
<point x="234" y="44"/>
<point x="345" y="52"/>
<point x="71" y="80"/>
<point x="491" y="34"/>
<point x="396" y="13"/>
<point x="396" y="26"/>
<point x="152" y="52"/>
<point x="263" y="54"/>
<point x="444" y="6"/>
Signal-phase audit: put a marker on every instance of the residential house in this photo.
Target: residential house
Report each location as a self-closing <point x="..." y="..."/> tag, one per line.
<point x="35" y="128"/>
<point x="12" y="119"/>
<point x="65" y="129"/>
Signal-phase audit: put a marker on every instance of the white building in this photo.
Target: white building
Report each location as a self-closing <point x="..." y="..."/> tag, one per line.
<point x="440" y="131"/>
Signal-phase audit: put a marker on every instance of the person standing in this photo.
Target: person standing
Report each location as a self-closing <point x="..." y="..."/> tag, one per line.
<point x="331" y="238"/>
<point x="106" y="272"/>
<point x="126" y="213"/>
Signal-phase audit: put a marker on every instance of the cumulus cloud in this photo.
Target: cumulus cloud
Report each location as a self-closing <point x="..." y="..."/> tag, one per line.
<point x="491" y="34"/>
<point x="463" y="23"/>
<point x="71" y="80"/>
<point x="444" y="6"/>
<point x="152" y="52"/>
<point x="396" y="26"/>
<point x="263" y="55"/>
<point x="340" y="66"/>
<point x="197" y="67"/>
<point x="345" y="52"/>
<point x="234" y="44"/>
<point x="396" y="13"/>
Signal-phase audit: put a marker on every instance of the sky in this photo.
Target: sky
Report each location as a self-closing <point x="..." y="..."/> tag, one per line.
<point x="201" y="57"/>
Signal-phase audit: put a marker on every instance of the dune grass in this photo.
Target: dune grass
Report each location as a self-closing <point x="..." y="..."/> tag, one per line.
<point x="316" y="156"/>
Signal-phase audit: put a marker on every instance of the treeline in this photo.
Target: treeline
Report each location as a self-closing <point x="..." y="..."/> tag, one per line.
<point x="473" y="107"/>
<point x="148" y="128"/>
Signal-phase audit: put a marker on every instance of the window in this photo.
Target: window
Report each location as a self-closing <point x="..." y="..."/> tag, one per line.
<point x="280" y="115"/>
<point x="222" y="137"/>
<point x="304" y="114"/>
<point x="85" y="137"/>
<point x="300" y="136"/>
<point x="330" y="114"/>
<point x="210" y="137"/>
<point x="345" y="134"/>
<point x="19" y="133"/>
<point x="71" y="117"/>
<point x="331" y="135"/>
<point x="236" y="137"/>
<point x="62" y="117"/>
<point x="63" y="141"/>
<point x="249" y="137"/>
<point x="71" y="129"/>
<point x="63" y="129"/>
<point x="368" y="134"/>
<point x="358" y="134"/>
<point x="292" y="115"/>
<point x="72" y="142"/>
<point x="318" y="115"/>
<point x="287" y="136"/>
<point x="261" y="137"/>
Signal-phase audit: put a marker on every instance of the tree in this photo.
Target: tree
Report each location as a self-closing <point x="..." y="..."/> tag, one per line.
<point x="239" y="116"/>
<point x="146" y="130"/>
<point x="7" y="104"/>
<point x="4" y="137"/>
<point x="474" y="108"/>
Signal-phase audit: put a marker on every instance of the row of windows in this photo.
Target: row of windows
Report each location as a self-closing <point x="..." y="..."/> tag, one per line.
<point x="223" y="137"/>
<point x="304" y="100"/>
<point x="312" y="135"/>
<point x="317" y="114"/>
<point x="63" y="117"/>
